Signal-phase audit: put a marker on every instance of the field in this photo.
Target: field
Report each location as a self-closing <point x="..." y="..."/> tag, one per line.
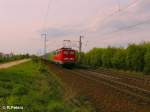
<point x="33" y="87"/>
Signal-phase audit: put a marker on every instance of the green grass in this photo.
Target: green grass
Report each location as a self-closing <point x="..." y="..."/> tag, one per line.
<point x="126" y="72"/>
<point x="31" y="85"/>
<point x="13" y="58"/>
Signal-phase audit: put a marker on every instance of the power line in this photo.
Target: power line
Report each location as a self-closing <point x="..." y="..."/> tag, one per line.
<point x="47" y="13"/>
<point x="80" y="48"/>
<point x="44" y="27"/>
<point x="120" y="10"/>
<point x="130" y="5"/>
<point x="128" y="27"/>
<point x="119" y="5"/>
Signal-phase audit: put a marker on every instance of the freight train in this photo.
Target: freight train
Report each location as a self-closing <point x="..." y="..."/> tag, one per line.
<point x="62" y="56"/>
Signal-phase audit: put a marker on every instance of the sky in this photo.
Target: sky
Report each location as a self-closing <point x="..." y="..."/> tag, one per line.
<point x="102" y="23"/>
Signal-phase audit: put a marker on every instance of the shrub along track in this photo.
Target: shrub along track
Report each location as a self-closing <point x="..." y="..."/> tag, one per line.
<point x="107" y="92"/>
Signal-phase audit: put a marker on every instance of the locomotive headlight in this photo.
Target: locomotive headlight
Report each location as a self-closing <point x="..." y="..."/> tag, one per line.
<point x="71" y="59"/>
<point x="65" y="58"/>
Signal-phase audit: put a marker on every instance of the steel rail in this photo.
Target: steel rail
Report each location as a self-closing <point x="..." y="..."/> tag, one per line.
<point x="137" y="92"/>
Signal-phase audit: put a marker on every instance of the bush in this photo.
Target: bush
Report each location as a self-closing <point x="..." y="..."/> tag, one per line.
<point x="133" y="58"/>
<point x="107" y="56"/>
<point x="119" y="59"/>
<point x="147" y="62"/>
<point x="94" y="57"/>
<point x="57" y="106"/>
<point x="4" y="92"/>
<point x="13" y="58"/>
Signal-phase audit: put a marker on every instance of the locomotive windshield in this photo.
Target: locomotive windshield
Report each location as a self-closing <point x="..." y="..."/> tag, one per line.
<point x="69" y="52"/>
<point x="72" y="52"/>
<point x="66" y="52"/>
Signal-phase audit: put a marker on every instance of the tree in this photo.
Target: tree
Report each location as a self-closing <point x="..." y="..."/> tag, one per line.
<point x="147" y="62"/>
<point x="107" y="56"/>
<point x="135" y="57"/>
<point x="119" y="59"/>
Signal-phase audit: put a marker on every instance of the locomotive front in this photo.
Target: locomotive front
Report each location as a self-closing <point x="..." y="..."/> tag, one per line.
<point x="65" y="56"/>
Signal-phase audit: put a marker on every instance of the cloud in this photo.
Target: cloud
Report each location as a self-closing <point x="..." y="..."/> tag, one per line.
<point x="115" y="25"/>
<point x="119" y="20"/>
<point x="143" y="6"/>
<point x="104" y="24"/>
<point x="65" y="31"/>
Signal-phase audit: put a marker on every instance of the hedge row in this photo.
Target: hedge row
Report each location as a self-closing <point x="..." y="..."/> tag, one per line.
<point x="134" y="57"/>
<point x="13" y="58"/>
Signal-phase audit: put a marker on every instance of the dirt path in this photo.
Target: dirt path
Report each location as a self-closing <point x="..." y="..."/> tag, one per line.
<point x="10" y="64"/>
<point x="105" y="98"/>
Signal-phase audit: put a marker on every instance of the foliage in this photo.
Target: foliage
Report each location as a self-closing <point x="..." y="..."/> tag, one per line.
<point x="4" y="59"/>
<point x="133" y="58"/>
<point x="106" y="57"/>
<point x="147" y="62"/>
<point x="118" y="59"/>
<point x="94" y="57"/>
<point x="32" y="86"/>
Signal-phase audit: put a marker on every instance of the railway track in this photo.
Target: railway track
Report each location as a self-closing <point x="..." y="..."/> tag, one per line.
<point x="119" y="74"/>
<point x="137" y="93"/>
<point x="103" y="91"/>
<point x="140" y="81"/>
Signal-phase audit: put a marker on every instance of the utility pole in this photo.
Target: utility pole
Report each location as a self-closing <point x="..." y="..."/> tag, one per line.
<point x="80" y="44"/>
<point x="45" y="39"/>
<point x="80" y="48"/>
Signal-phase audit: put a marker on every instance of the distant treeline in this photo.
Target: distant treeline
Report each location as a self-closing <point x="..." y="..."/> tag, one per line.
<point x="133" y="58"/>
<point x="13" y="57"/>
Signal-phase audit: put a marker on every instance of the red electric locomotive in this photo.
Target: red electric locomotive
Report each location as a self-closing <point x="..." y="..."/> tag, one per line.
<point x="64" y="56"/>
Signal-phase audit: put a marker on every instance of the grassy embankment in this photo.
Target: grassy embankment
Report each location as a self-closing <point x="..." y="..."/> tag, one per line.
<point x="5" y="59"/>
<point x="32" y="86"/>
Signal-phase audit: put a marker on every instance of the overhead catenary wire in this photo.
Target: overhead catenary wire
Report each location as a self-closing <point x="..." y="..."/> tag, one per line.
<point x="120" y="10"/>
<point x="125" y="28"/>
<point x="119" y="5"/>
<point x="128" y="27"/>
<point x="47" y="14"/>
<point x="146" y="22"/>
<point x="44" y="33"/>
<point x="130" y="5"/>
<point x="107" y="17"/>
